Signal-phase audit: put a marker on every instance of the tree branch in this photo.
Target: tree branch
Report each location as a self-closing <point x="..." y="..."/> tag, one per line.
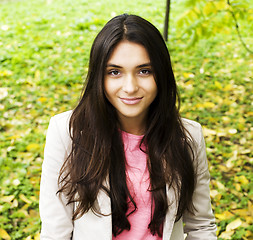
<point x="237" y="28"/>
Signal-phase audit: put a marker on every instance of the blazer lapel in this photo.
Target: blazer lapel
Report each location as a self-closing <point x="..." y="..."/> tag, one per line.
<point x="104" y="205"/>
<point x="171" y="214"/>
<point x="95" y="226"/>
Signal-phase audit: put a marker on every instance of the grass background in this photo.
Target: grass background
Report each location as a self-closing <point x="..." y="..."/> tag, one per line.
<point x="44" y="50"/>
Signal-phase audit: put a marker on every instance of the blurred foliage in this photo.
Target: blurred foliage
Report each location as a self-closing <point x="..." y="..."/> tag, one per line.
<point x="206" y="18"/>
<point x="44" y="51"/>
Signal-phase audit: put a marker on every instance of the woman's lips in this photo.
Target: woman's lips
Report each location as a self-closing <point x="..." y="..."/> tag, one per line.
<point x="131" y="101"/>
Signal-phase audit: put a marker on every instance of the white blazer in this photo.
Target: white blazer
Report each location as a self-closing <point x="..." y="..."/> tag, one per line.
<point x="56" y="217"/>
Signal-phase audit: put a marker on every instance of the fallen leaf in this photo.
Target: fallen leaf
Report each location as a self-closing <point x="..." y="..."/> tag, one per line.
<point x="3" y="93"/>
<point x="7" y="199"/>
<point x="33" y="147"/>
<point x="213" y="193"/>
<point x="42" y="99"/>
<point x="25" y="199"/>
<point x="226" y="215"/>
<point x="220" y="185"/>
<point x="242" y="179"/>
<point x="226" y="234"/>
<point x="188" y="75"/>
<point x="4" y="234"/>
<point x="208" y="105"/>
<point x="37" y="236"/>
<point x="233" y="225"/>
<point x="232" y="131"/>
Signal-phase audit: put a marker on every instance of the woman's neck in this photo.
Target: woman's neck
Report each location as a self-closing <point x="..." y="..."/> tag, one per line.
<point x="133" y="126"/>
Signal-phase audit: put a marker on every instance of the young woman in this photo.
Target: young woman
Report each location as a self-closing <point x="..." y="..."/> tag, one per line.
<point x="123" y="164"/>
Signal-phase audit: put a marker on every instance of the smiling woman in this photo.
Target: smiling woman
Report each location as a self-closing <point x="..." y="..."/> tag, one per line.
<point x="130" y="85"/>
<point x="123" y="164"/>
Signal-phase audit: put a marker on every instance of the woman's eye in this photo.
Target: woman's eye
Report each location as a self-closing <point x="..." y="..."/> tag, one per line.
<point x="145" y="72"/>
<point x="114" y="73"/>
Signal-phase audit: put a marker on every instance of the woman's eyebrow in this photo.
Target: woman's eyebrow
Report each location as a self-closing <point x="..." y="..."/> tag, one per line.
<point x="139" y="66"/>
<point x="144" y="65"/>
<point x="113" y="65"/>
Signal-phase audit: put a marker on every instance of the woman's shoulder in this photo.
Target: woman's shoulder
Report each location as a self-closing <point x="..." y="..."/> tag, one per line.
<point x="62" y="118"/>
<point x="194" y="129"/>
<point x="190" y="124"/>
<point x="59" y="125"/>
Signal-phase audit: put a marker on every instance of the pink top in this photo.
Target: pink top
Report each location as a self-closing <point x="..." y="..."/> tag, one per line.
<point x="138" y="185"/>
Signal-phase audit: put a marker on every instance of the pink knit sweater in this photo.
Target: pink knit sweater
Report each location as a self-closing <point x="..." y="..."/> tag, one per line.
<point x="138" y="185"/>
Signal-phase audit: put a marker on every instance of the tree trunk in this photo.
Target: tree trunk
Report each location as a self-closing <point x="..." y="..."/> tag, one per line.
<point x="166" y="21"/>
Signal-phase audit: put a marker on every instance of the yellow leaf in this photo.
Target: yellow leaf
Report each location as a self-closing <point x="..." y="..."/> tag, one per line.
<point x="33" y="147"/>
<point x="33" y="198"/>
<point x="25" y="199"/>
<point x="33" y="213"/>
<point x="220" y="185"/>
<point x="242" y="179"/>
<point x="226" y="119"/>
<point x="237" y="187"/>
<point x="250" y="207"/>
<point x="208" y="132"/>
<point x="42" y="99"/>
<point x="5" y="73"/>
<point x="213" y="193"/>
<point x="236" y="193"/>
<point x="14" y="204"/>
<point x="248" y="219"/>
<point x="199" y="105"/>
<point x="4" y="234"/>
<point x="7" y="199"/>
<point x="240" y="126"/>
<point x="230" y="162"/>
<point x="37" y="236"/>
<point x="248" y="234"/>
<point x="217" y="85"/>
<point x="37" y="75"/>
<point x="224" y="168"/>
<point x="14" y="137"/>
<point x="209" y="105"/>
<point x="233" y="225"/>
<point x="228" y="87"/>
<point x="241" y="212"/>
<point x="190" y="82"/>
<point x="188" y="75"/>
<point x="224" y="216"/>
<point x="226" y="234"/>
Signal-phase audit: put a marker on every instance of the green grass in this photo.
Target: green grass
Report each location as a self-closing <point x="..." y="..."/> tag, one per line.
<point x="44" y="51"/>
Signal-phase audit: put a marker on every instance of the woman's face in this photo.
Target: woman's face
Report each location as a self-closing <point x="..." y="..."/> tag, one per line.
<point x="129" y="81"/>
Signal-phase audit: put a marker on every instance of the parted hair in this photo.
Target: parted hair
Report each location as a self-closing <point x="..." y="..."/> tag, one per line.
<point x="97" y="154"/>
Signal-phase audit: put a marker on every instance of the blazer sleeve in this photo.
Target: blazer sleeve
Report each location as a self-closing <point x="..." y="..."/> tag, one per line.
<point x="200" y="225"/>
<point x="56" y="216"/>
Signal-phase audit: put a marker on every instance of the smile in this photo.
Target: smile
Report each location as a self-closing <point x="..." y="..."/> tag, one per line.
<point x="131" y="101"/>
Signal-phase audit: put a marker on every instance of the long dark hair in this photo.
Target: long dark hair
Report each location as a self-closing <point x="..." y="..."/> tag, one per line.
<point x="97" y="152"/>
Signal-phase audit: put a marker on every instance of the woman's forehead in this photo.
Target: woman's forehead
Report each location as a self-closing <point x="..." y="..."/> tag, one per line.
<point x="129" y="53"/>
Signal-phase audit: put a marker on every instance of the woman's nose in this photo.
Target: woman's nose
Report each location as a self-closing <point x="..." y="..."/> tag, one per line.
<point x="130" y="84"/>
